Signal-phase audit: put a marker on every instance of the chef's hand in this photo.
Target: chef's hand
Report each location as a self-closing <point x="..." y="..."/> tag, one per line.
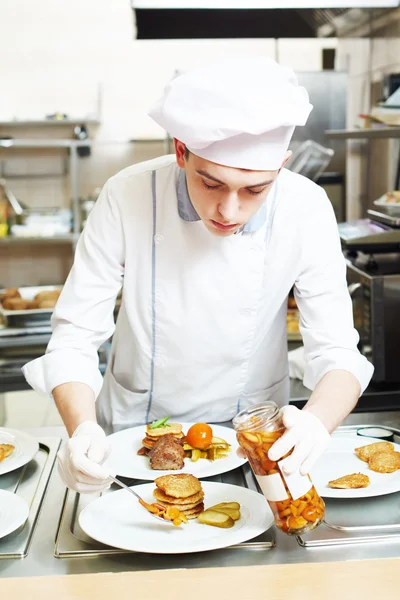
<point x="306" y="434"/>
<point x="80" y="460"/>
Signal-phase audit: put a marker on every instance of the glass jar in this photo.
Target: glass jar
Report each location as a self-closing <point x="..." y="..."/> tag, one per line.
<point x="294" y="501"/>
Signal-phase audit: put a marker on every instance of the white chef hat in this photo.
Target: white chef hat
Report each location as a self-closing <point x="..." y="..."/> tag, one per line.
<point x="240" y="112"/>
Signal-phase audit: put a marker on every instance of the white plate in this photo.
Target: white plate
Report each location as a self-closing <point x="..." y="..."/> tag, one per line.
<point x="14" y="511"/>
<point x="340" y="459"/>
<point x="118" y="520"/>
<point x="124" y="460"/>
<point x="26" y="447"/>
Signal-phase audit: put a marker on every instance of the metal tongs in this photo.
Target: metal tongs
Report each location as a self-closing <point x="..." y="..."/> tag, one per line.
<point x="146" y="505"/>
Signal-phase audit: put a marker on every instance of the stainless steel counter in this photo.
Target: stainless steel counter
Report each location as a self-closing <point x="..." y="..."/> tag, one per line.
<point x="40" y="559"/>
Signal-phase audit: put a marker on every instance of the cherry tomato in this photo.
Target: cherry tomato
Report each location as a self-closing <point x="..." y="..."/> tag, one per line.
<point x="199" y="436"/>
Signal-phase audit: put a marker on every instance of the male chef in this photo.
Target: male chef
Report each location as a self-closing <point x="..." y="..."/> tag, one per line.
<point x="206" y="245"/>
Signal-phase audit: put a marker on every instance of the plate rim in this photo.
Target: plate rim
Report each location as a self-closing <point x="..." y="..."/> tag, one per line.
<point x="23" y="459"/>
<point x="153" y="474"/>
<point x="357" y="493"/>
<point x="256" y="495"/>
<point x="22" y="503"/>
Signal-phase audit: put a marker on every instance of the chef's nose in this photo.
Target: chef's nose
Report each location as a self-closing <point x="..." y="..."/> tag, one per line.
<point x="228" y="207"/>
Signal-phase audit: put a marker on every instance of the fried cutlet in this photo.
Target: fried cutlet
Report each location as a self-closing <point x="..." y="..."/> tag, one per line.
<point x="366" y="452"/>
<point x="385" y="462"/>
<point x="173" y="428"/>
<point x="184" y="502"/>
<point x="183" y="485"/>
<point x="167" y="454"/>
<point x="349" y="482"/>
<point x="6" y="450"/>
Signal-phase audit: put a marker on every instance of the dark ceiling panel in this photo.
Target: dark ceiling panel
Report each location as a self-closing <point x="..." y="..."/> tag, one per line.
<point x="224" y="23"/>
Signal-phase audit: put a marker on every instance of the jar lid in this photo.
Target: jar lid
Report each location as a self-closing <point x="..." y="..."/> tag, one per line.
<point x="255" y="416"/>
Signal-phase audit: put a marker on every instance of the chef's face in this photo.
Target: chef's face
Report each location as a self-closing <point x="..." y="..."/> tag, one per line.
<point x="225" y="198"/>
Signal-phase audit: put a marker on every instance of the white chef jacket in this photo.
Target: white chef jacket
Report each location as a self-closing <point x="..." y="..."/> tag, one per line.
<point x="201" y="332"/>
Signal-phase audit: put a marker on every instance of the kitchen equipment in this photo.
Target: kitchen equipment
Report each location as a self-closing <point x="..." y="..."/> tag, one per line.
<point x="14" y="512"/>
<point x="125" y="462"/>
<point x="310" y="159"/>
<point x="293" y="498"/>
<point x="25" y="448"/>
<point x="112" y="519"/>
<point x="128" y="489"/>
<point x="340" y="459"/>
<point x="374" y="286"/>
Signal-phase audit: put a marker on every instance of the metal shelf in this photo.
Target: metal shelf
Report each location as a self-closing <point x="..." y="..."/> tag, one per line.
<point x="46" y="143"/>
<point x="364" y="134"/>
<point x="49" y="122"/>
<point x="56" y="239"/>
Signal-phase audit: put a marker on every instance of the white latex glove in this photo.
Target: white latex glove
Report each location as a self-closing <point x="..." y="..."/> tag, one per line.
<point x="80" y="460"/>
<point x="306" y="434"/>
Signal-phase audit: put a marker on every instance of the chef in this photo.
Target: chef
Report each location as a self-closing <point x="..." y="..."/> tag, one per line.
<point x="206" y="245"/>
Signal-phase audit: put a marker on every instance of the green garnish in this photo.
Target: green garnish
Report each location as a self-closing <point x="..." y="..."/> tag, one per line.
<point x="159" y="423"/>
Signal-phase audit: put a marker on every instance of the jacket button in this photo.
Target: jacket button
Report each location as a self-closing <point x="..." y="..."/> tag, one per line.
<point x="158" y="238"/>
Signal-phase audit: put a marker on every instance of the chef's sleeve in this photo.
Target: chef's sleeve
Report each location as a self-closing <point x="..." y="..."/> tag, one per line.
<point x="326" y="313"/>
<point x="84" y="315"/>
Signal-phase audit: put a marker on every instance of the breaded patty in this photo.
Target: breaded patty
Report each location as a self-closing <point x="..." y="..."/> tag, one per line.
<point x="348" y="482"/>
<point x="193" y="513"/>
<point x="5" y="450"/>
<point x="366" y="452"/>
<point x="385" y="462"/>
<point x="183" y="485"/>
<point x="183" y="502"/>
<point x="173" y="428"/>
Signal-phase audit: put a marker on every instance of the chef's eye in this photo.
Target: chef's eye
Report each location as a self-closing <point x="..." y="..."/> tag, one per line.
<point x="210" y="187"/>
<point x="255" y="193"/>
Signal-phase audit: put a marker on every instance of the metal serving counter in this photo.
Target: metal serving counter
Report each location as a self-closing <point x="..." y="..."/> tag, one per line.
<point x="53" y="543"/>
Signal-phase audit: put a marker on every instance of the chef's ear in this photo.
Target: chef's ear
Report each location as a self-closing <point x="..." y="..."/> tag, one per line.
<point x="180" y="153"/>
<point x="287" y="156"/>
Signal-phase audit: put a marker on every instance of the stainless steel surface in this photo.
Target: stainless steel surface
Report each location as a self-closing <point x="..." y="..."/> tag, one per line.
<point x="365" y="134"/>
<point x="71" y="541"/>
<point x="384" y="218"/>
<point x="328" y="95"/>
<point x="128" y="489"/>
<point x="376" y="299"/>
<point x="80" y="556"/>
<point x="30" y="482"/>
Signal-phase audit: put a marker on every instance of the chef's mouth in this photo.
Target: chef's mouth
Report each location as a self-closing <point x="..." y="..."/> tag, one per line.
<point x="222" y="226"/>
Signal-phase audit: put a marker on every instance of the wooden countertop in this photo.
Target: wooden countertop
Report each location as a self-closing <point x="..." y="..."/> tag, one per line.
<point x="364" y="580"/>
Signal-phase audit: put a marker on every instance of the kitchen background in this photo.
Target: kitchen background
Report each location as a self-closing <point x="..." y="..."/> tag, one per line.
<point x="82" y="59"/>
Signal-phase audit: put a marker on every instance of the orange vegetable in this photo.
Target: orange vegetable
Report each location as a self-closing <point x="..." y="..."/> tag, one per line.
<point x="199" y="436"/>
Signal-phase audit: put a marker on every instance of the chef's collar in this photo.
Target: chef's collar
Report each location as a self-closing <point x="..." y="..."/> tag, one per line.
<point x="187" y="211"/>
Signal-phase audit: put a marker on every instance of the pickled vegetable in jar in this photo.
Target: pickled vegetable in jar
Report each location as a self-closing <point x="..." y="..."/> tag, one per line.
<point x="294" y="501"/>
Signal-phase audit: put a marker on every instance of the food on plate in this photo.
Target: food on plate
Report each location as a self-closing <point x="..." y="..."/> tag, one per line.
<point x="6" y="450"/>
<point x="385" y="462"/>
<point x="349" y="482"/>
<point x="223" y="515"/>
<point x="216" y="519"/>
<point x="170" y="513"/>
<point x="11" y="299"/>
<point x="167" y="453"/>
<point x="199" y="436"/>
<point x="15" y="304"/>
<point x="291" y="516"/>
<point x="183" y="492"/>
<point x="48" y="295"/>
<point x="208" y="446"/>
<point x="365" y="453"/>
<point x="393" y="197"/>
<point x="10" y="293"/>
